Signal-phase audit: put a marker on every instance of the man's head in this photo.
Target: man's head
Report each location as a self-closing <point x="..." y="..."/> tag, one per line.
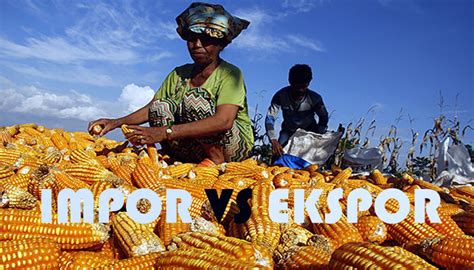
<point x="299" y="78"/>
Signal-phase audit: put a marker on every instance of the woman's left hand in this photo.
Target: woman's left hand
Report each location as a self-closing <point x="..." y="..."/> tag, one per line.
<point x="146" y="135"/>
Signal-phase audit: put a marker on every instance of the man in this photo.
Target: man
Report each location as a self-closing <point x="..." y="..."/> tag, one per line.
<point x="299" y="105"/>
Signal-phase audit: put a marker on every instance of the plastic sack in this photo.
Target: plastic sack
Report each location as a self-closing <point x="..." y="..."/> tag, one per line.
<point x="454" y="165"/>
<point x="363" y="159"/>
<point x="312" y="147"/>
<point x="291" y="162"/>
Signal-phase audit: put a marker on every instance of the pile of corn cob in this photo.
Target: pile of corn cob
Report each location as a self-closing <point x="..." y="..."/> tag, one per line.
<point x="33" y="158"/>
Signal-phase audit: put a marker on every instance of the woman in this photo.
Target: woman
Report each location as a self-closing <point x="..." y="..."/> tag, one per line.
<point x="200" y="110"/>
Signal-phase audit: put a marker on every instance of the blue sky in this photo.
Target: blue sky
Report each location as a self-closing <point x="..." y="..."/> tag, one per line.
<point x="63" y="63"/>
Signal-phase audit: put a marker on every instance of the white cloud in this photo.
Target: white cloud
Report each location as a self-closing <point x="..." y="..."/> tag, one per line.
<point x="300" y="5"/>
<point x="41" y="102"/>
<point x="58" y="49"/>
<point x="306" y="42"/>
<point x="259" y="37"/>
<point x="255" y="37"/>
<point x="35" y="101"/>
<point x="9" y="99"/>
<point x="159" y="56"/>
<point x="104" y="32"/>
<point x="169" y="30"/>
<point x="69" y="73"/>
<point x="134" y="97"/>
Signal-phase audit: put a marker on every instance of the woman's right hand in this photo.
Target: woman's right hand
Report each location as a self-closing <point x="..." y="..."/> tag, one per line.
<point x="106" y="123"/>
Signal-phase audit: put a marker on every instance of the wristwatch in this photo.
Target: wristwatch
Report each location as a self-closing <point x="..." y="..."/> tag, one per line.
<point x="169" y="131"/>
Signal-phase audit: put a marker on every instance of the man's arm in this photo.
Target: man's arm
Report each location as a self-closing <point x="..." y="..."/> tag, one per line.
<point x="320" y="110"/>
<point x="272" y="113"/>
<point x="270" y="119"/>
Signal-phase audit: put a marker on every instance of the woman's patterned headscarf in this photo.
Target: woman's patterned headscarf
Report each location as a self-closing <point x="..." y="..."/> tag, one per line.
<point x="209" y="19"/>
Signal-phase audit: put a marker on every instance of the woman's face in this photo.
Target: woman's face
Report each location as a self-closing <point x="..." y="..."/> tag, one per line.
<point x="203" y="48"/>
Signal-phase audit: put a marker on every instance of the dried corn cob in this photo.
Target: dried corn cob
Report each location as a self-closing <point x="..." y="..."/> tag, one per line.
<point x="463" y="193"/>
<point x="452" y="253"/>
<point x="465" y="220"/>
<point x="294" y="235"/>
<point x="42" y="179"/>
<point x="79" y="143"/>
<point x="83" y="136"/>
<point x="223" y="246"/>
<point x="466" y="190"/>
<point x="447" y="227"/>
<point x="198" y="259"/>
<point x="96" y="129"/>
<point x="153" y="154"/>
<point x="84" y="260"/>
<point x="339" y="233"/>
<point x="202" y="225"/>
<point x="59" y="141"/>
<point x="407" y="230"/>
<point x="305" y="257"/>
<point x="52" y="156"/>
<point x="283" y="180"/>
<point x="134" y="238"/>
<point x="378" y="177"/>
<point x="29" y="254"/>
<point x="26" y="139"/>
<point x="424" y="184"/>
<point x="342" y="176"/>
<point x="372" y="229"/>
<point x="371" y="256"/>
<point x="166" y="230"/>
<point x="194" y="186"/>
<point x="246" y="170"/>
<point x="450" y="209"/>
<point x="145" y="262"/>
<point x="104" y="161"/>
<point x="6" y="172"/>
<point x="206" y="182"/>
<point x="63" y="180"/>
<point x="275" y="170"/>
<point x="28" y="161"/>
<point x="5" y="137"/>
<point x="15" y="197"/>
<point x="180" y="171"/>
<point x="31" y="131"/>
<point x="236" y="183"/>
<point x="22" y="178"/>
<point x="146" y="160"/>
<point x="8" y="157"/>
<point x="97" y="188"/>
<point x="89" y="173"/>
<point x="80" y="156"/>
<point x="205" y="172"/>
<point x="12" y="130"/>
<point x="259" y="228"/>
<point x="145" y="176"/>
<point x="126" y="129"/>
<point x="18" y="224"/>
<point x="25" y="125"/>
<point x="47" y="142"/>
<point x="124" y="171"/>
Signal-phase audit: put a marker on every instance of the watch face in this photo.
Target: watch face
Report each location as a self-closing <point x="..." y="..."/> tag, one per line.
<point x="169" y="130"/>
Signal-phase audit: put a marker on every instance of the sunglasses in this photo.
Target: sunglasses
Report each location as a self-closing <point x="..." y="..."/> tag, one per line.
<point x="205" y="39"/>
